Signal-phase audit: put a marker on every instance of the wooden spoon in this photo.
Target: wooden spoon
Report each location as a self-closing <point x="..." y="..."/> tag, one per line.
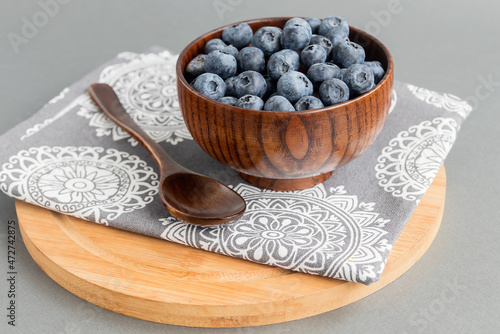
<point x="187" y="195"/>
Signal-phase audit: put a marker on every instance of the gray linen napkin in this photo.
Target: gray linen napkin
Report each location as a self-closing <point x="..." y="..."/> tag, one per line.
<point x="70" y="158"/>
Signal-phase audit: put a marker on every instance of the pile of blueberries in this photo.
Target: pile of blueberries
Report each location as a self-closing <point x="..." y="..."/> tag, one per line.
<point x="309" y="64"/>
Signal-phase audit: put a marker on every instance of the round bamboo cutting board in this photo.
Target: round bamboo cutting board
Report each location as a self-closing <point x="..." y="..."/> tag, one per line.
<point x="156" y="280"/>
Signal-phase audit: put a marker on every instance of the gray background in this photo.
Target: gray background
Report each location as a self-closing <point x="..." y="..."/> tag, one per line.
<point x="448" y="46"/>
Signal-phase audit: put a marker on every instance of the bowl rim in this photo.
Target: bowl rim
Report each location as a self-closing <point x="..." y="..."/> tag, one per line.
<point x="388" y="76"/>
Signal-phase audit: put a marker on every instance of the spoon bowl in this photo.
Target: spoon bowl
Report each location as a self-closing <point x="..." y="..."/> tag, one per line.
<point x="179" y="190"/>
<point x="187" y="195"/>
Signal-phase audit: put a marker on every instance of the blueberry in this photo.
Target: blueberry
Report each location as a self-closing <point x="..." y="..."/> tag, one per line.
<point x="296" y="37"/>
<point x="347" y="53"/>
<point x="318" y="73"/>
<point x="195" y="67"/>
<point x="220" y="63"/>
<point x="268" y="39"/>
<point x="293" y="85"/>
<point x="251" y="59"/>
<point x="337" y="37"/>
<point x="324" y="42"/>
<point x="293" y="56"/>
<point x="239" y="35"/>
<point x="308" y="103"/>
<point x="333" y="91"/>
<point x="250" y="83"/>
<point x="339" y="75"/>
<point x="278" y="103"/>
<point x="230" y="82"/>
<point x="333" y="24"/>
<point x="313" y="54"/>
<point x="377" y="69"/>
<point x="314" y="23"/>
<point x="230" y="100"/>
<point x="359" y="79"/>
<point x="210" y="85"/>
<point x="250" y="102"/>
<point x="230" y="50"/>
<point x="298" y="22"/>
<point x="214" y="44"/>
<point x="282" y="62"/>
<point x="270" y="86"/>
<point x="342" y="72"/>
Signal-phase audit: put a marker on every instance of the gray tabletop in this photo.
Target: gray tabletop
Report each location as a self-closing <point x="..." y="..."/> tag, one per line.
<point x="444" y="46"/>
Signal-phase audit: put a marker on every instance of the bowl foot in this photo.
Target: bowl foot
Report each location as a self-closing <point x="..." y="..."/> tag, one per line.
<point x="285" y="184"/>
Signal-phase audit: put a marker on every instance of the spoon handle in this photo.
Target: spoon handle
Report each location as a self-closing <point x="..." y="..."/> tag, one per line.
<point x="107" y="100"/>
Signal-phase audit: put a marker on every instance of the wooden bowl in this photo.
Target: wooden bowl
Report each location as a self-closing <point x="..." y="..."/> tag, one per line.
<point x="286" y="150"/>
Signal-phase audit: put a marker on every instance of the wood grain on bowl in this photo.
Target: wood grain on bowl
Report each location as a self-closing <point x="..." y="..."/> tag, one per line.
<point x="286" y="150"/>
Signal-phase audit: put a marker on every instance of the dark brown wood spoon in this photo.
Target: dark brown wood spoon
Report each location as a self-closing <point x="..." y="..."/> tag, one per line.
<point x="188" y="196"/>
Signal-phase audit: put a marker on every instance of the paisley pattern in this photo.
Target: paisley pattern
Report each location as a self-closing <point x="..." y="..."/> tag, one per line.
<point x="407" y="166"/>
<point x="146" y="86"/>
<point x="314" y="231"/>
<point x="447" y="102"/>
<point x="88" y="182"/>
